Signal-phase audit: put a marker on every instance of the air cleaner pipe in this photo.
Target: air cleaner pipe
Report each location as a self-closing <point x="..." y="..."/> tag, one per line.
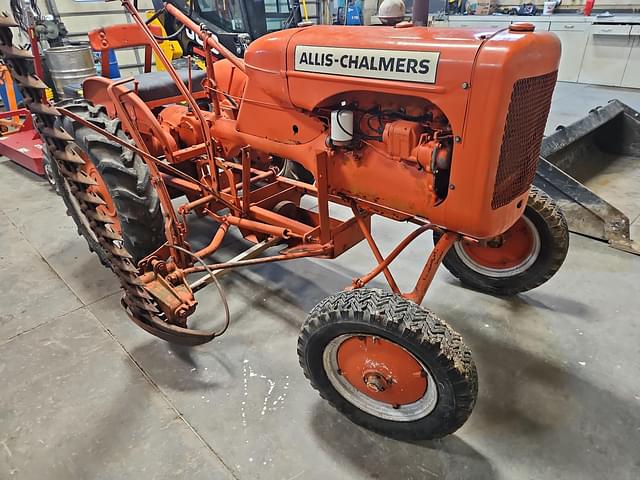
<point x="209" y="40"/>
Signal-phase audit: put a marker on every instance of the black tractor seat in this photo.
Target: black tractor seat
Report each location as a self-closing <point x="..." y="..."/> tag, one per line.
<point x="158" y="85"/>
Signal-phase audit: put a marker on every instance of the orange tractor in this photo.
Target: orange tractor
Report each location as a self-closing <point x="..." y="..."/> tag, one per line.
<point x="440" y="128"/>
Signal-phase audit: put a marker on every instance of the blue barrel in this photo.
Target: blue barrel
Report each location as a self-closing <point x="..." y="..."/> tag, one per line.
<point x="5" y="97"/>
<point x="114" y="69"/>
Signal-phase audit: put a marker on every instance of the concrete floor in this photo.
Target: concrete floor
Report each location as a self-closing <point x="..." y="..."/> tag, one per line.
<point x="86" y="394"/>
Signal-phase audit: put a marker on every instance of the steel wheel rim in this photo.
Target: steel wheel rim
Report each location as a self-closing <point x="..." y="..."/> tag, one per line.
<point x="405" y="413"/>
<point x="521" y="267"/>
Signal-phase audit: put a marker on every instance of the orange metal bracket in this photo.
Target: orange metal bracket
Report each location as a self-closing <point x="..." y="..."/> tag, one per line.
<point x="431" y="267"/>
<point x="374" y="249"/>
<point x="428" y="272"/>
<point x="7" y="81"/>
<point x="118" y="36"/>
<point x="362" y="281"/>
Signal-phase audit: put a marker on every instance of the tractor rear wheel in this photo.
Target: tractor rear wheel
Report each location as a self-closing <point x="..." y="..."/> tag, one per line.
<point x="388" y="364"/>
<point x="122" y="191"/>
<point x="522" y="258"/>
<point x="293" y="170"/>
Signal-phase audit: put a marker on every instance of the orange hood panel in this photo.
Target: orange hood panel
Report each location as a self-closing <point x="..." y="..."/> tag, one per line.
<point x="385" y="59"/>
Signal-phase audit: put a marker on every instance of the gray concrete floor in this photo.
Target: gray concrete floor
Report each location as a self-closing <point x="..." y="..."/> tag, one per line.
<point x="86" y="394"/>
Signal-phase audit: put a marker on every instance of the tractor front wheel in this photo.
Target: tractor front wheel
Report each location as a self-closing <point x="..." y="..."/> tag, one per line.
<point x="522" y="258"/>
<point x="388" y="364"/>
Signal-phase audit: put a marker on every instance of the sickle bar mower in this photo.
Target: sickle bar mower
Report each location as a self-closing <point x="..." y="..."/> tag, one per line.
<point x="412" y="124"/>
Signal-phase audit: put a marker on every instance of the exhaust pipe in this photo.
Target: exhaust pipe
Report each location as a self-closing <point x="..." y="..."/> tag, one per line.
<point x="420" y="15"/>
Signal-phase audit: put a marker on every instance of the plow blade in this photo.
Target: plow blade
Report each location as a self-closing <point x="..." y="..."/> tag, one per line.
<point x="592" y="169"/>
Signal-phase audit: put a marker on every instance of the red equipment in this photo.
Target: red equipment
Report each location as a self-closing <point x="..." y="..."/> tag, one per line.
<point x="19" y="140"/>
<point x="22" y="143"/>
<point x="437" y="127"/>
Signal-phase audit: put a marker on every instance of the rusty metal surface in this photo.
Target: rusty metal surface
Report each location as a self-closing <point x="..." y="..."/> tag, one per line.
<point x="431" y="266"/>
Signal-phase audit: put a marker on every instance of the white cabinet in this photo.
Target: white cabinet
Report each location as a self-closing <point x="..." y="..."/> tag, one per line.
<point x="600" y="54"/>
<point x="631" y="76"/>
<point x="573" y="37"/>
<point x="440" y="23"/>
<point x="541" y="25"/>
<point x="606" y="55"/>
<point x="489" y="25"/>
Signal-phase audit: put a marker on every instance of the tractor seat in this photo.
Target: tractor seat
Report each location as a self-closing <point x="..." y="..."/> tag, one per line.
<point x="158" y="85"/>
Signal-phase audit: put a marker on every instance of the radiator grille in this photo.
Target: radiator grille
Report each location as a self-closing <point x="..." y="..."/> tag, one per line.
<point x="524" y="128"/>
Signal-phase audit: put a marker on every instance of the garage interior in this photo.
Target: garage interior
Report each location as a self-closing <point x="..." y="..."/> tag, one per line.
<point x="88" y="395"/>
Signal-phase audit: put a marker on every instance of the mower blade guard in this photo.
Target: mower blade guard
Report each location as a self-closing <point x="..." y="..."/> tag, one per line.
<point x="592" y="169"/>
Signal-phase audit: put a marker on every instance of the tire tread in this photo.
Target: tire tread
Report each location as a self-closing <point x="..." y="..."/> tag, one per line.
<point x="126" y="176"/>
<point x="409" y="321"/>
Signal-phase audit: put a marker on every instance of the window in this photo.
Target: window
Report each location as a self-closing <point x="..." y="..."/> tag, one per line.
<point x="226" y="14"/>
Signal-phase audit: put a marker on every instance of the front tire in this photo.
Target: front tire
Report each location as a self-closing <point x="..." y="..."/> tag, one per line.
<point x="521" y="259"/>
<point x="388" y="364"/>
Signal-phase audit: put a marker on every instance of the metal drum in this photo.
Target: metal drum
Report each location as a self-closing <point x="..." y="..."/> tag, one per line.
<point x="69" y="64"/>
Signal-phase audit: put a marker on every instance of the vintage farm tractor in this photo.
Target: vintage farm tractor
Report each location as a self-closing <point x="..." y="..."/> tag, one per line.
<point x="440" y="128"/>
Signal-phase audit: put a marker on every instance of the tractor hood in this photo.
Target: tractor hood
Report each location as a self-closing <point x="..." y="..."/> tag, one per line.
<point x="310" y="66"/>
<point x="401" y="60"/>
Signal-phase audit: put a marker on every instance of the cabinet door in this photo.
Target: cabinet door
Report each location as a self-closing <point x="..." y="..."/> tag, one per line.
<point x="541" y="25"/>
<point x="440" y="23"/>
<point x="574" y="43"/>
<point x="631" y="76"/>
<point x="480" y="24"/>
<point x="606" y="55"/>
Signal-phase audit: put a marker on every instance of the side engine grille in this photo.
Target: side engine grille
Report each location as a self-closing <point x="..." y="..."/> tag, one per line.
<point x="524" y="128"/>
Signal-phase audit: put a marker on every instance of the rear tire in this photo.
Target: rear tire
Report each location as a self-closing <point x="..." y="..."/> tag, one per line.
<point x="126" y="178"/>
<point x="550" y="245"/>
<point x="388" y="364"/>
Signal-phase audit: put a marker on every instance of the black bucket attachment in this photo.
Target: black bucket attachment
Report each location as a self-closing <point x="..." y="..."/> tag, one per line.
<point x="592" y="169"/>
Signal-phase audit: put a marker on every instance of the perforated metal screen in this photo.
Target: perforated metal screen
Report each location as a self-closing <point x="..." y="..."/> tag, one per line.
<point x="524" y="128"/>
